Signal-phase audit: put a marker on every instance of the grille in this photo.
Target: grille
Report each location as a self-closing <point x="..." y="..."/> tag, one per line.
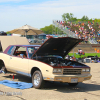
<point x="72" y="71"/>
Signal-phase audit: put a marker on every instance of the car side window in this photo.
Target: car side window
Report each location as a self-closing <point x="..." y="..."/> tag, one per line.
<point x="10" y="50"/>
<point x="30" y="51"/>
<point x="20" y="50"/>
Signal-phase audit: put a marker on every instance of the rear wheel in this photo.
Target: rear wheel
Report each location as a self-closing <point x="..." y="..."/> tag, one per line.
<point x="3" y="69"/>
<point x="73" y="84"/>
<point x="37" y="80"/>
<point x="2" y="66"/>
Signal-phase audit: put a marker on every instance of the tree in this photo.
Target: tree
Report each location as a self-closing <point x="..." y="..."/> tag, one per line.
<point x="96" y="20"/>
<point x="51" y="29"/>
<point x="68" y="17"/>
<point x="8" y="33"/>
<point x="64" y="17"/>
<point x="84" y="18"/>
<point x="47" y="29"/>
<point x="74" y="19"/>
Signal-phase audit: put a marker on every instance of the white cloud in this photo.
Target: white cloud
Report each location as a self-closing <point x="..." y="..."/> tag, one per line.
<point x="41" y="15"/>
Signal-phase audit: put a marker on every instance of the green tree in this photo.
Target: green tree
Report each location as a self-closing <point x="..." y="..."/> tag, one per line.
<point x="97" y="20"/>
<point x="64" y="17"/>
<point x="74" y="19"/>
<point x="91" y="20"/>
<point x="8" y="33"/>
<point x="47" y="29"/>
<point x="51" y="29"/>
<point x="84" y="18"/>
<point x="68" y="17"/>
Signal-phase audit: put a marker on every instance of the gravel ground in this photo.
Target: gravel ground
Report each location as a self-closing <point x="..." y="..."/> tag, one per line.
<point x="88" y="90"/>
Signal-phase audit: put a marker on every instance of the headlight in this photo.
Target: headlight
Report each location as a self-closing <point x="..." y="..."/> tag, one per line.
<point x="85" y="70"/>
<point x="57" y="70"/>
<point x="54" y="70"/>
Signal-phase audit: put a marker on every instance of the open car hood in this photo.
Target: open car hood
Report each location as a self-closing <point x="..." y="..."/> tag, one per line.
<point x="57" y="46"/>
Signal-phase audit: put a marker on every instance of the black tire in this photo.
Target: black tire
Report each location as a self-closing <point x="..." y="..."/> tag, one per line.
<point x="73" y="84"/>
<point x="37" y="80"/>
<point x="3" y="69"/>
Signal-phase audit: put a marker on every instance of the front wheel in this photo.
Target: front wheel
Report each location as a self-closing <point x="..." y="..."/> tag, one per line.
<point x="73" y="84"/>
<point x="37" y="80"/>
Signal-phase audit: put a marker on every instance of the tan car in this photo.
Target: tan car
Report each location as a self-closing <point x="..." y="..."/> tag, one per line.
<point x="45" y="62"/>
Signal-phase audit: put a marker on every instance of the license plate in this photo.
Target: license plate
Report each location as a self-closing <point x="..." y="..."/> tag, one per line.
<point x="74" y="80"/>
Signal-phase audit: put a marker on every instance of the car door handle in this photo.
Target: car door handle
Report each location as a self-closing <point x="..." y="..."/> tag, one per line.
<point x="10" y="57"/>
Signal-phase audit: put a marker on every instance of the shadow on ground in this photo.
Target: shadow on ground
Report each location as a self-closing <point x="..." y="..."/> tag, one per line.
<point x="61" y="87"/>
<point x="18" y="78"/>
<point x="65" y="88"/>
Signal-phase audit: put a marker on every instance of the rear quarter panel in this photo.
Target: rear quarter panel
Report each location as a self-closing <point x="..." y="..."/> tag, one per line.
<point x="5" y="58"/>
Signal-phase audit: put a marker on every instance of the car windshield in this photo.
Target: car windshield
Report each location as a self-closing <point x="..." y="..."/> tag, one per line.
<point x="31" y="50"/>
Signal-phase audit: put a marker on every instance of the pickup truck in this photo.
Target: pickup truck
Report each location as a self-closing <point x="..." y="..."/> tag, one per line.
<point x="44" y="62"/>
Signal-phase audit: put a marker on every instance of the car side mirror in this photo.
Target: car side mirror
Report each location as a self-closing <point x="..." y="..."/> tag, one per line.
<point x="22" y="56"/>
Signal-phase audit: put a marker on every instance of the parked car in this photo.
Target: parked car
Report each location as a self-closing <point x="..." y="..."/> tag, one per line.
<point x="91" y="59"/>
<point x="45" y="62"/>
<point x="2" y="33"/>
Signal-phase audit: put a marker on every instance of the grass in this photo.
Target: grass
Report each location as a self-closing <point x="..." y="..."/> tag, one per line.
<point x="86" y="54"/>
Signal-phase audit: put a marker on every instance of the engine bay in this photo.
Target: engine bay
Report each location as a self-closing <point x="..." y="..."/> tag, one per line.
<point x="58" y="61"/>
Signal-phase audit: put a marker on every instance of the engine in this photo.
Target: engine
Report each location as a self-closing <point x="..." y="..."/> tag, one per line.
<point x="58" y="61"/>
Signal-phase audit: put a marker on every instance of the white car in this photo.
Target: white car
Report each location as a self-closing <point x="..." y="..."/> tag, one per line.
<point x="44" y="62"/>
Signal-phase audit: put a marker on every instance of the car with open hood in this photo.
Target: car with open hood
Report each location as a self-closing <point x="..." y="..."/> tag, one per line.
<point x="45" y="62"/>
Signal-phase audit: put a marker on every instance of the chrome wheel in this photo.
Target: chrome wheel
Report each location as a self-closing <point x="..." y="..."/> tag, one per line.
<point x="36" y="79"/>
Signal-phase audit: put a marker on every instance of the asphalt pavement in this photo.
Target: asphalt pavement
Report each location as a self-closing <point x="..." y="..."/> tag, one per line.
<point x="88" y="90"/>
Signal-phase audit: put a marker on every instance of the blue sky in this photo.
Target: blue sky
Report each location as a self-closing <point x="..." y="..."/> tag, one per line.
<point x="41" y="13"/>
<point x="20" y="2"/>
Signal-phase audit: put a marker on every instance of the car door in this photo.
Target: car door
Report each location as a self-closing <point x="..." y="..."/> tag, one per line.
<point x="18" y="64"/>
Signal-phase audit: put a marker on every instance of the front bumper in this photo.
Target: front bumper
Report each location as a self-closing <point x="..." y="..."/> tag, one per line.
<point x="72" y="79"/>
